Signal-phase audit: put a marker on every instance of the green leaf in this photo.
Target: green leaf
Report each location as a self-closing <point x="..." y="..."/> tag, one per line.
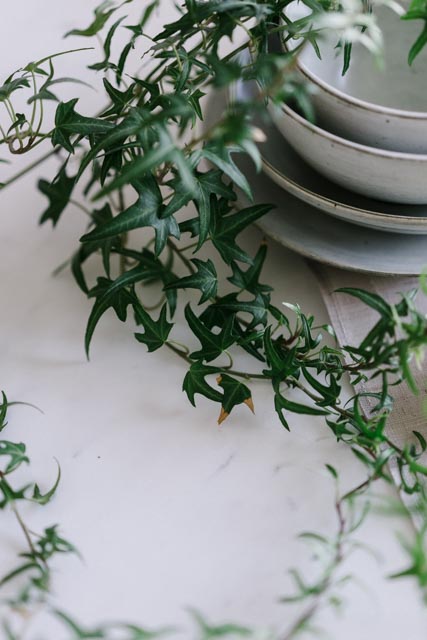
<point x="213" y="344"/>
<point x="209" y="183"/>
<point x="220" y="156"/>
<point x="58" y="192"/>
<point x="235" y="392"/>
<point x="44" y="498"/>
<point x="225" y="228"/>
<point x="3" y="411"/>
<point x="404" y="357"/>
<point x="143" y="213"/>
<point x="165" y="151"/>
<point x="257" y="308"/>
<point x="68" y="122"/>
<point x="209" y="632"/>
<point x="371" y="299"/>
<point x="50" y="543"/>
<point x="332" y="471"/>
<point x="156" y="332"/>
<point x="418" y="45"/>
<point x="249" y="280"/>
<point x="77" y="630"/>
<point x="296" y="407"/>
<point x="194" y="382"/>
<point x="9" y="494"/>
<point x="206" y="280"/>
<point x="23" y="568"/>
<point x="206" y="184"/>
<point x="110" y="297"/>
<point x="105" y="63"/>
<point x="11" y="85"/>
<point x="120" y="99"/>
<point x="16" y="453"/>
<point x="102" y="14"/>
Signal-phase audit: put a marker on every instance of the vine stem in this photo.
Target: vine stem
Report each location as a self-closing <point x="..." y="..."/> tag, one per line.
<point x="23" y="528"/>
<point x="339" y="557"/>
<point x="29" y="168"/>
<point x="183" y="259"/>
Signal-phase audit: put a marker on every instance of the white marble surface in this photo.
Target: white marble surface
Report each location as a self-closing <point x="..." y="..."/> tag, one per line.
<point x="167" y="509"/>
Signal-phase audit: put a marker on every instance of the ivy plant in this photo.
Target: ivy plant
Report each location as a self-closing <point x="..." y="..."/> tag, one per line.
<point x="146" y="161"/>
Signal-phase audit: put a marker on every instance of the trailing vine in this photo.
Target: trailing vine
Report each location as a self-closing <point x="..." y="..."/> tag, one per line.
<point x="143" y="162"/>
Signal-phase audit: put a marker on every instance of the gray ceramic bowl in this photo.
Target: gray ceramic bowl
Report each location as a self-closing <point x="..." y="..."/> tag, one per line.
<point x="386" y="175"/>
<point x="381" y="108"/>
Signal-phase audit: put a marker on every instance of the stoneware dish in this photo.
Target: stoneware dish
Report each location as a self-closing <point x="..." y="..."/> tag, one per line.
<point x="283" y="165"/>
<point x="384" y="108"/>
<point x="385" y="175"/>
<point x="305" y="230"/>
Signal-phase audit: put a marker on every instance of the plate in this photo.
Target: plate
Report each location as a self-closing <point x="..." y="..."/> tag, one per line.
<point x="318" y="236"/>
<point x="283" y="165"/>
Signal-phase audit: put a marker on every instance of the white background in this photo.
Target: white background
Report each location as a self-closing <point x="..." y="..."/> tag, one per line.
<point x="168" y="510"/>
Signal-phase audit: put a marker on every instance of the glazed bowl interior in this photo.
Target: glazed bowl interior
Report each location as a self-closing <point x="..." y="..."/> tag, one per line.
<point x="396" y="85"/>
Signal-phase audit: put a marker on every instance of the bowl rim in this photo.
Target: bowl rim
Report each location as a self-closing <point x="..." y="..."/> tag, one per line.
<point x="295" y="189"/>
<point x="349" y="144"/>
<point x="352" y="100"/>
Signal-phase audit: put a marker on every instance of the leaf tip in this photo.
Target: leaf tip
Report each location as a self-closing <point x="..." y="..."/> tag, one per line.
<point x="250" y="403"/>
<point x="223" y="415"/>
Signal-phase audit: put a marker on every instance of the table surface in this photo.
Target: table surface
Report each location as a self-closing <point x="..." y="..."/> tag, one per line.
<point x="168" y="509"/>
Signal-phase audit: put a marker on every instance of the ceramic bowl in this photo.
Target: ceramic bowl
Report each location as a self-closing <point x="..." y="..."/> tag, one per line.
<point x="386" y="175"/>
<point x="384" y="108"/>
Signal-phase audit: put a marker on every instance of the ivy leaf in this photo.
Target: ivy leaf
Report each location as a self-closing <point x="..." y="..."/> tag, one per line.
<point x="87" y="249"/>
<point x="77" y="630"/>
<point x="114" y="295"/>
<point x="213" y="344"/>
<point x="206" y="280"/>
<point x="9" y="494"/>
<point x="102" y="14"/>
<point x="165" y="151"/>
<point x="371" y="299"/>
<point x="156" y="332"/>
<point x="249" y="280"/>
<point x="257" y="308"/>
<point x="143" y="213"/>
<point x="44" y="498"/>
<point x="120" y="99"/>
<point x="194" y="382"/>
<point x="16" y="453"/>
<point x="282" y="362"/>
<point x="207" y="183"/>
<point x="281" y="404"/>
<point x="105" y="63"/>
<point x="119" y="302"/>
<point x="220" y="156"/>
<point x="58" y="192"/>
<point x="209" y="632"/>
<point x="225" y="228"/>
<point x="68" y="122"/>
<point x="11" y="85"/>
<point x="3" y="411"/>
<point x="235" y="392"/>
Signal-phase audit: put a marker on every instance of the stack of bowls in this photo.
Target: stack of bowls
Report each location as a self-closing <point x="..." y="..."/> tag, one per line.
<point x="370" y="135"/>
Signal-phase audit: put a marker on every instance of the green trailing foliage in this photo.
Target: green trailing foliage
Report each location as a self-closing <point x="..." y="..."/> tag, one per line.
<point x="160" y="189"/>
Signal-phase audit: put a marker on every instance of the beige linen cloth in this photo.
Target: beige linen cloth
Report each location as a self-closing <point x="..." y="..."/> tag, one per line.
<point x="352" y="320"/>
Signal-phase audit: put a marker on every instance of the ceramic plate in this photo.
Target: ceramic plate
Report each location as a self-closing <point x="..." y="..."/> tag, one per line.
<point x="307" y="231"/>
<point x="289" y="171"/>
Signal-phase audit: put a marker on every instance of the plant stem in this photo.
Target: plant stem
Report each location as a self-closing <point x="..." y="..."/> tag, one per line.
<point x="29" y="168"/>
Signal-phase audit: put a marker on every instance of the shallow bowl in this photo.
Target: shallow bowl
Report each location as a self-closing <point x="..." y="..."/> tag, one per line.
<point x="385" y="175"/>
<point x="384" y="108"/>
